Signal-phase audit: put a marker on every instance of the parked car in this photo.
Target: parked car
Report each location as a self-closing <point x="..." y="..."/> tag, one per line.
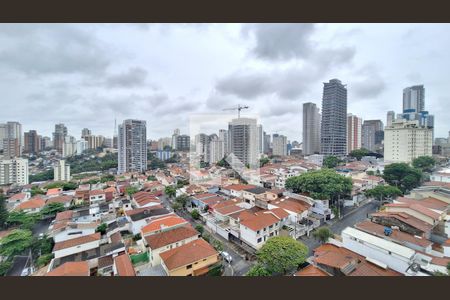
<point x="226" y="256"/>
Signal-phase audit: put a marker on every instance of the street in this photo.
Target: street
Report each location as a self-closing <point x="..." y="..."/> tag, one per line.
<point x="355" y="216"/>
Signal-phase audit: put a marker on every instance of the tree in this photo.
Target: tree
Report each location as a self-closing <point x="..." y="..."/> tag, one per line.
<point x="44" y="176"/>
<point x="359" y="153"/>
<point x="258" y="271"/>
<point x="170" y="191"/>
<point x="217" y="245"/>
<point x="323" y="234"/>
<point x="101" y="228"/>
<point x="264" y="161"/>
<point x="331" y="162"/>
<point x="3" y="210"/>
<point x="181" y="183"/>
<point x="5" y="266"/>
<point x="44" y="260"/>
<point x="182" y="200"/>
<point x="130" y="190"/>
<point x="151" y="178"/>
<point x="23" y="219"/>
<point x="69" y="186"/>
<point x="107" y="177"/>
<point x="321" y="184"/>
<point x="402" y="176"/>
<point x="15" y="242"/>
<point x="176" y="206"/>
<point x="195" y="214"/>
<point x="35" y="190"/>
<point x="383" y="192"/>
<point x="199" y="228"/>
<point x="370" y="173"/>
<point x="424" y="163"/>
<point x="52" y="209"/>
<point x="282" y="254"/>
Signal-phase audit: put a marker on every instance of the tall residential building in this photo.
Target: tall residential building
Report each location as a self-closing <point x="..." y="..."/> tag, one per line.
<point x="372" y="135"/>
<point x="46" y="142"/>
<point x="12" y="142"/>
<point x="354" y="127"/>
<point x="82" y="145"/>
<point x="390" y="117"/>
<point x="94" y="141"/>
<point x="2" y="134"/>
<point x="243" y="140"/>
<point x="175" y="134"/>
<point x="11" y="148"/>
<point x="69" y="146"/>
<point x="279" y="145"/>
<point x="183" y="142"/>
<point x="311" y="128"/>
<point x="59" y="136"/>
<point x="32" y="142"/>
<point x="201" y="141"/>
<point x="14" y="171"/>
<point x="260" y="139"/>
<point x="223" y="136"/>
<point x="215" y="149"/>
<point x="61" y="171"/>
<point x="164" y="142"/>
<point x="132" y="142"/>
<point x="333" y="134"/>
<point x="414" y="98"/>
<point x="406" y="140"/>
<point x="85" y="132"/>
<point x="266" y="149"/>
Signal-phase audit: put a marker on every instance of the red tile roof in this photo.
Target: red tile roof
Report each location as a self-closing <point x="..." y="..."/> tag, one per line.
<point x="162" y="223"/>
<point x="416" y="207"/>
<point x="31" y="204"/>
<point x="71" y="268"/>
<point x="124" y="266"/>
<point x="77" y="241"/>
<point x="187" y="254"/>
<point x="60" y="199"/>
<point x="239" y="187"/>
<point x="55" y="191"/>
<point x="64" y="215"/>
<point x="259" y="220"/>
<point x="311" y="271"/>
<point x="162" y="239"/>
<point x="431" y="203"/>
<point x="407" y="219"/>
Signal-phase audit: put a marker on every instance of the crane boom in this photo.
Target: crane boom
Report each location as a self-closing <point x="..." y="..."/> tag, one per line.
<point x="238" y="108"/>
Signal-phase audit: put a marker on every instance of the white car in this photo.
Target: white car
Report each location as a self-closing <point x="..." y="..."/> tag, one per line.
<point x="226" y="256"/>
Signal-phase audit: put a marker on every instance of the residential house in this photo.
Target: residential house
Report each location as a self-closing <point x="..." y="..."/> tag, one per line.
<point x="123" y="266"/>
<point x="76" y="245"/>
<point x="140" y="217"/>
<point x="71" y="268"/>
<point x="32" y="205"/>
<point x="66" y="200"/>
<point x="191" y="259"/>
<point x="256" y="227"/>
<point x="167" y="240"/>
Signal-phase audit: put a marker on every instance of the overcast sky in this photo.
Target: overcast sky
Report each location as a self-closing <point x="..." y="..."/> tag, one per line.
<point x="86" y="75"/>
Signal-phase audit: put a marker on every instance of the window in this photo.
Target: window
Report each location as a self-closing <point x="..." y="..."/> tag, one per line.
<point x="259" y="240"/>
<point x="257" y="232"/>
<point x="189" y="267"/>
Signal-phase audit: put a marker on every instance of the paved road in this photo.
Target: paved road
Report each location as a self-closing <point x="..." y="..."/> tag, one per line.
<point x="360" y="214"/>
<point x="355" y="216"/>
<point x="41" y="227"/>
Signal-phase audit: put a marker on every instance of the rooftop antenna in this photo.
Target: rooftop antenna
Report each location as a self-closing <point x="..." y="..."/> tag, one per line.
<point x="238" y="108"/>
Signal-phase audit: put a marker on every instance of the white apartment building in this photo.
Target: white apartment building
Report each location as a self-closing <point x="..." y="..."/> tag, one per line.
<point x="82" y="145"/>
<point x="406" y="140"/>
<point x="61" y="171"/>
<point x="14" y="171"/>
<point x="279" y="145"/>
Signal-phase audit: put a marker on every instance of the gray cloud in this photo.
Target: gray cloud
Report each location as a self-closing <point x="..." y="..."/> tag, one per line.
<point x="281" y="41"/>
<point x="37" y="49"/>
<point x="368" y="84"/>
<point x="133" y="77"/>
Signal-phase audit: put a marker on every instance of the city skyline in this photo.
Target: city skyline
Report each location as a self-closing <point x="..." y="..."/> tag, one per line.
<point x="154" y="82"/>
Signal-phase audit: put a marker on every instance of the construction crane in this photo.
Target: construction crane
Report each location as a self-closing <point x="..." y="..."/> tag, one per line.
<point x="238" y="108"/>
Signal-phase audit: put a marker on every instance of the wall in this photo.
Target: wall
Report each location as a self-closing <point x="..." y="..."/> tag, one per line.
<point x="76" y="249"/>
<point x="155" y="259"/>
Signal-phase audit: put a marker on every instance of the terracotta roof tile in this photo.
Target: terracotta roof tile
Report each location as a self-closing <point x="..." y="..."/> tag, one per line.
<point x="311" y="271"/>
<point x="168" y="237"/>
<point x="71" y="268"/>
<point x="164" y="222"/>
<point x="124" y="266"/>
<point x="187" y="254"/>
